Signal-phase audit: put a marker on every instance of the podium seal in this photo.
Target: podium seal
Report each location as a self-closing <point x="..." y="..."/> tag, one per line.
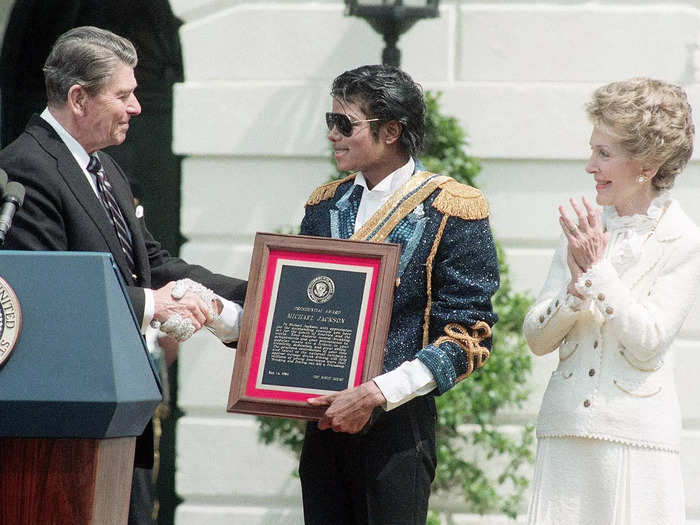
<point x="10" y="320"/>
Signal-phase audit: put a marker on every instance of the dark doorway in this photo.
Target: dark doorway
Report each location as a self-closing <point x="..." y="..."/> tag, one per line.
<point x="146" y="155"/>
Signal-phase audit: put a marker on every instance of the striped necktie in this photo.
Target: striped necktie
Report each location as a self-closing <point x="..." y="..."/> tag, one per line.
<point x="104" y="191"/>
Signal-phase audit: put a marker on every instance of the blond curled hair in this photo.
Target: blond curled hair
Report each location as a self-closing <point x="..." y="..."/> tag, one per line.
<point x="652" y="120"/>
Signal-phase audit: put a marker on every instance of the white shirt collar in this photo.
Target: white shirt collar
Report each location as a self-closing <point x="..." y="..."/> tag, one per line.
<point x="81" y="156"/>
<point x="373" y="199"/>
<point x="389" y="184"/>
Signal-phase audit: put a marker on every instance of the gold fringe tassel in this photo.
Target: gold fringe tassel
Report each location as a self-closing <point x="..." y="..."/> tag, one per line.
<point x="461" y="201"/>
<point x="325" y="192"/>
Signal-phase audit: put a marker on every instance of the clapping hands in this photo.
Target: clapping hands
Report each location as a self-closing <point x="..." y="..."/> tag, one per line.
<point x="586" y="239"/>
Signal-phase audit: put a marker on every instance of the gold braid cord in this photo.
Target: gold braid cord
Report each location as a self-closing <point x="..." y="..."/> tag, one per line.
<point x="429" y="279"/>
<point x="162" y="413"/>
<point x="470" y="343"/>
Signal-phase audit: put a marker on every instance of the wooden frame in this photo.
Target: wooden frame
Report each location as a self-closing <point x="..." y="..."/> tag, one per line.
<point x="315" y="321"/>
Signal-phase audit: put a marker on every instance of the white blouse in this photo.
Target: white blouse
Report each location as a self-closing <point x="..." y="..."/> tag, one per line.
<point x="629" y="232"/>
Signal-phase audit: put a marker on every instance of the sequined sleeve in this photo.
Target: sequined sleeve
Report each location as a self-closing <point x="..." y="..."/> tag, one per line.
<point x="463" y="276"/>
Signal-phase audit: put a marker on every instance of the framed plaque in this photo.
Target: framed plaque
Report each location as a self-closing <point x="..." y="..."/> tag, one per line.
<point x="315" y="322"/>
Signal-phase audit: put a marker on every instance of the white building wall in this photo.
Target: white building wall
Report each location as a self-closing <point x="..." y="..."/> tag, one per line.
<point x="249" y="118"/>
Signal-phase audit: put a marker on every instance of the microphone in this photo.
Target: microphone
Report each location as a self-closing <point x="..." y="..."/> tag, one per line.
<point x="11" y="202"/>
<point x="3" y="181"/>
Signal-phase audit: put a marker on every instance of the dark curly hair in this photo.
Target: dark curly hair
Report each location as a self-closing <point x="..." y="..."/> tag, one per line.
<point x="386" y="93"/>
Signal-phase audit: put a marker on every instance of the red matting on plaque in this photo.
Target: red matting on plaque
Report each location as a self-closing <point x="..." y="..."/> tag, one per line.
<point x="273" y="261"/>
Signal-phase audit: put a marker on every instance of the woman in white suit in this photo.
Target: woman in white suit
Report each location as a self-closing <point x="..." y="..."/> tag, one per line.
<point x="619" y="288"/>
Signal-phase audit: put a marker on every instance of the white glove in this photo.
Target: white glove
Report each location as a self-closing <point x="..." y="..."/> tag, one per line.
<point x="178" y="327"/>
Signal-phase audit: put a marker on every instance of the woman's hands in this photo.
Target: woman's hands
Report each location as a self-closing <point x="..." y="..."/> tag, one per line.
<point x="586" y="240"/>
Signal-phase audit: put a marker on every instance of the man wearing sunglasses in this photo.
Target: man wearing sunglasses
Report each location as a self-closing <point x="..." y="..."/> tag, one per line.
<point x="371" y="458"/>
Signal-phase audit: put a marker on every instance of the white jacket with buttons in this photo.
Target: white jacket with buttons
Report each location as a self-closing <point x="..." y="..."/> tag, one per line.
<point x="615" y="375"/>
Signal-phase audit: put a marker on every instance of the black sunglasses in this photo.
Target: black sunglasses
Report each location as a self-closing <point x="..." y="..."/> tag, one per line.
<point x="343" y="122"/>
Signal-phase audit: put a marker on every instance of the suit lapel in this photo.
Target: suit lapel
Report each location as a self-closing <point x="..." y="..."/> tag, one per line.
<point x="76" y="180"/>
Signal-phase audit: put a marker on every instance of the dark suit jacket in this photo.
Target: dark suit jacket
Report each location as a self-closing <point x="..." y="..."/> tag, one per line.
<point x="62" y="213"/>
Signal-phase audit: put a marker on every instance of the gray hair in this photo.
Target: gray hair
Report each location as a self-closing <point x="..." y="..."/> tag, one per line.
<point x="87" y="56"/>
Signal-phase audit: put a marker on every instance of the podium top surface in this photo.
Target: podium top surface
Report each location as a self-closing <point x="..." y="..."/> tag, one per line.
<point x="80" y="367"/>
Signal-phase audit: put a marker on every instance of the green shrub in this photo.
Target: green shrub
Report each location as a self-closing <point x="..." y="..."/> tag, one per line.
<point x="477" y="462"/>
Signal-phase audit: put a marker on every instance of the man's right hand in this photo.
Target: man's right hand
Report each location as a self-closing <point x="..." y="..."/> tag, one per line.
<point x="189" y="307"/>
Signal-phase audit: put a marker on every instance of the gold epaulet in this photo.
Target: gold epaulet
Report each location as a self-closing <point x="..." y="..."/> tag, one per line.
<point x="325" y="192"/>
<point x="461" y="201"/>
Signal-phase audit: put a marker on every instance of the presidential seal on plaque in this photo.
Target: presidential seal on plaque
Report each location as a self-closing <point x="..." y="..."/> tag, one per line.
<point x="10" y="320"/>
<point x="321" y="289"/>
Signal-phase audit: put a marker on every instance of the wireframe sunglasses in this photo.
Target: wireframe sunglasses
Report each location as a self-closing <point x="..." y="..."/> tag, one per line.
<point x="343" y="122"/>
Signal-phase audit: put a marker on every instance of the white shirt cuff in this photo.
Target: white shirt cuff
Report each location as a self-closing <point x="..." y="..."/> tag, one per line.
<point x="402" y="384"/>
<point x="149" y="308"/>
<point x="226" y="325"/>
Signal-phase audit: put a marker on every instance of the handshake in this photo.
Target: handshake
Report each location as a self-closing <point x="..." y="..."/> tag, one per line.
<point x="182" y="307"/>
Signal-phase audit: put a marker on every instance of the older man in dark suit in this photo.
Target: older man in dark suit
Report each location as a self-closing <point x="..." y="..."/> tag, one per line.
<point x="90" y="91"/>
<point x="78" y="198"/>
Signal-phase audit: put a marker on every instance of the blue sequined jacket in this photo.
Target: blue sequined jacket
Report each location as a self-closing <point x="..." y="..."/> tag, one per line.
<point x="448" y="269"/>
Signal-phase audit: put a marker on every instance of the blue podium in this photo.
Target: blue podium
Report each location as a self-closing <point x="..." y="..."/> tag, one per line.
<point x="75" y="391"/>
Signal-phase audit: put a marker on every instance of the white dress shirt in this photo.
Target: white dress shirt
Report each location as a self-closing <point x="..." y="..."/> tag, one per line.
<point x="225" y="326"/>
<point x="412" y="378"/>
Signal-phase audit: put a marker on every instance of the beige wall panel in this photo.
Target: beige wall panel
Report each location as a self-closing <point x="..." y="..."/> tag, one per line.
<point x="503" y="120"/>
<point x="222" y="457"/>
<point x="595" y="42"/>
<point x="251" y="119"/>
<point x="267" y="41"/>
<point x="227" y="257"/>
<point x="226" y="197"/>
<point x="524" y="195"/>
<point x="264" y="514"/>
<point x="206" y="367"/>
<point x="514" y="121"/>
<point x="285" y="42"/>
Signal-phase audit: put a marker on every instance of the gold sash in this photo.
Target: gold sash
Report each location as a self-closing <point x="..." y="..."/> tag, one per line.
<point x="418" y="188"/>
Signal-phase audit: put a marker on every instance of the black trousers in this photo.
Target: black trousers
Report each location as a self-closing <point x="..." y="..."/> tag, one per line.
<point x="141" y="502"/>
<point x="379" y="477"/>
